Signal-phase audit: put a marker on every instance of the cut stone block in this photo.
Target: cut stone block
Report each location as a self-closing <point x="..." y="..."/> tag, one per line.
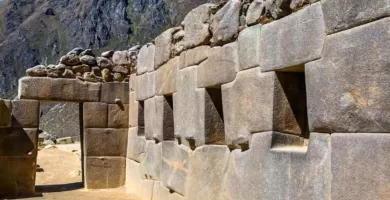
<point x="348" y="89"/>
<point x="95" y="115"/>
<point x="146" y="86"/>
<point x="197" y="23"/>
<point x="208" y="165"/>
<point x="166" y="77"/>
<point x="174" y="168"/>
<point x="360" y="166"/>
<point x="194" y="56"/>
<point x="105" y="142"/>
<point x="118" y="116"/>
<point x="43" y="88"/>
<point x="145" y="61"/>
<point x="163" y="44"/>
<point x="342" y="15"/>
<point x="221" y="66"/>
<point x="25" y="113"/>
<point x="151" y="162"/>
<point x="136" y="112"/>
<point x="133" y="82"/>
<point x="17" y="175"/>
<point x="113" y="91"/>
<point x="258" y="102"/>
<point x="18" y="142"/>
<point x="104" y="172"/>
<point x="164" y="119"/>
<point x="162" y="193"/>
<point x="248" y="47"/>
<point x="142" y="189"/>
<point x="292" y="40"/>
<point x="135" y="145"/>
<point x="5" y="113"/>
<point x="150" y="118"/>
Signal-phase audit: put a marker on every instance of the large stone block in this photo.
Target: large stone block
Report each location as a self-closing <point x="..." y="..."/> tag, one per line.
<point x="292" y="40"/>
<point x="163" y="44"/>
<point x="135" y="185"/>
<point x="224" y="24"/>
<point x="221" y="66"/>
<point x="133" y="82"/>
<point x="105" y="142"/>
<point x="194" y="56"/>
<point x="17" y="175"/>
<point x="136" y="112"/>
<point x="360" y="166"/>
<point x="164" y="119"/>
<point x="342" y="15"/>
<point x="104" y="172"/>
<point x="18" y="142"/>
<point x="145" y="60"/>
<point x="5" y="113"/>
<point x="166" y="77"/>
<point x="43" y="88"/>
<point x="150" y="118"/>
<point x="348" y="89"/>
<point x="150" y="167"/>
<point x="258" y="102"/>
<point x="135" y="145"/>
<point x="197" y="23"/>
<point x="112" y="91"/>
<point x="95" y="115"/>
<point x="25" y="113"/>
<point x="118" y="116"/>
<point x="175" y="165"/>
<point x="248" y="47"/>
<point x="208" y="165"/>
<point x="146" y="86"/>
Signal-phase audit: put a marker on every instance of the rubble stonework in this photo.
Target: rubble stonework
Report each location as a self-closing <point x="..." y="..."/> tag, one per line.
<point x="262" y="99"/>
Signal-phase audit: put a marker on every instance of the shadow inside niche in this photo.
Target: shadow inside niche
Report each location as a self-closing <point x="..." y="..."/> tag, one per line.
<point x="59" y="187"/>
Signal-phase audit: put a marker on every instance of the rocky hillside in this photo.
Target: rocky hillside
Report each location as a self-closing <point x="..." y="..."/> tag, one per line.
<point x="39" y="31"/>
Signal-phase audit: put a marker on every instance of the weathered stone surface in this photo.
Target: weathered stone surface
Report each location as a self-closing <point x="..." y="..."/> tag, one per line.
<point x="25" y="113"/>
<point x="145" y="61"/>
<point x="264" y="11"/>
<point x="146" y="86"/>
<point x="164" y="120"/>
<point x="224" y="24"/>
<point x="112" y="91"/>
<point x="163" y="44"/>
<point x="142" y="189"/>
<point x="58" y="89"/>
<point x="39" y="70"/>
<point x="347" y="14"/>
<point x="121" y="69"/>
<point x="105" y="142"/>
<point x="258" y="102"/>
<point x="221" y="66"/>
<point x="208" y="165"/>
<point x="293" y="40"/>
<point x="104" y="63"/>
<point x="174" y="167"/>
<point x="70" y="60"/>
<point x="104" y="172"/>
<point x="95" y="115"/>
<point x="118" y="116"/>
<point x="166" y="77"/>
<point x="193" y="56"/>
<point x="162" y="193"/>
<point x="151" y="162"/>
<point x="136" y="111"/>
<point x="135" y="145"/>
<point x="81" y="68"/>
<point x="348" y="88"/>
<point x="17" y="176"/>
<point x="248" y="47"/>
<point x="150" y="118"/>
<point x="5" y="113"/>
<point x="197" y="23"/>
<point x="133" y="82"/>
<point x="297" y="4"/>
<point x="18" y="142"/>
<point x="360" y="166"/>
<point x="107" y="54"/>
<point x="121" y="58"/>
<point x="88" y="60"/>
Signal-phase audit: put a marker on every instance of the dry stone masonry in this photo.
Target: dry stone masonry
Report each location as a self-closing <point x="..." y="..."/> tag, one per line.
<point x="246" y="99"/>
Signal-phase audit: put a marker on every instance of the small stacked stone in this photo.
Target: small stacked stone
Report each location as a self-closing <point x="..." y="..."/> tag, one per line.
<point x="84" y="65"/>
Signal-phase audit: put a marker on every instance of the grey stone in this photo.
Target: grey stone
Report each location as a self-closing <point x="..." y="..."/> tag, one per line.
<point x="134" y="110"/>
<point x="162" y="193"/>
<point x="104" y="63"/>
<point x="221" y="66"/>
<point x="135" y="145"/>
<point x="105" y="142"/>
<point x="118" y="116"/>
<point x="193" y="56"/>
<point x="91" y="77"/>
<point x="107" y="54"/>
<point x="360" y="166"/>
<point x="164" y="120"/>
<point x="297" y="4"/>
<point x="293" y="40"/>
<point x="81" y="68"/>
<point x="348" y="90"/>
<point x="151" y="162"/>
<point x="5" y="113"/>
<point x="104" y="172"/>
<point x="76" y="51"/>
<point x="95" y="115"/>
<point x="25" y="113"/>
<point x="133" y="82"/>
<point x="150" y="118"/>
<point x="256" y="10"/>
<point x="112" y="91"/>
<point x="65" y="140"/>
<point x="224" y="24"/>
<point x="197" y="23"/>
<point x="121" y="58"/>
<point x="142" y="189"/>
<point x="88" y="60"/>
<point x="342" y="15"/>
<point x="18" y="142"/>
<point x="145" y="86"/>
<point x="70" y="60"/>
<point x="68" y="74"/>
<point x="118" y="77"/>
<point x="87" y="52"/>
<point x="166" y="77"/>
<point x="163" y="44"/>
<point x="145" y="61"/>
<point x="121" y="69"/>
<point x="248" y="47"/>
<point x="38" y="70"/>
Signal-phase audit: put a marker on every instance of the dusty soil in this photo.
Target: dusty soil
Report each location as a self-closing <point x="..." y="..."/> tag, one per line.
<point x="62" y="178"/>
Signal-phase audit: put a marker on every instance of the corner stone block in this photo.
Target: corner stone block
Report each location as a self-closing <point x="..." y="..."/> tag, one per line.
<point x="221" y="66"/>
<point x="166" y="77"/>
<point x="95" y="115"/>
<point x="18" y="142"/>
<point x="150" y="167"/>
<point x="150" y="118"/>
<point x="197" y="26"/>
<point x="258" y="102"/>
<point x="105" y="142"/>
<point x="118" y="116"/>
<point x="142" y="189"/>
<point x="292" y="40"/>
<point x="146" y="86"/>
<point x="104" y="172"/>
<point x="44" y="88"/>
<point x="360" y="166"/>
<point x="164" y="124"/>
<point x="113" y="91"/>
<point x="348" y="89"/>
<point x="248" y="47"/>
<point x="358" y="12"/>
<point x="5" y="113"/>
<point x="194" y="56"/>
<point x="163" y="44"/>
<point x="174" y="168"/>
<point x="135" y="145"/>
<point x="25" y="113"/>
<point x="145" y="61"/>
<point x="208" y="165"/>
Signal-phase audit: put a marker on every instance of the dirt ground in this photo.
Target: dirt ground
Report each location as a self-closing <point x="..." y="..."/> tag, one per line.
<point x="62" y="178"/>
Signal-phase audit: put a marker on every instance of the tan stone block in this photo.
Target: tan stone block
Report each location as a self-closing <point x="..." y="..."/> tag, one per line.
<point x="194" y="56"/>
<point x="25" y="113"/>
<point x="105" y="142"/>
<point x="142" y="189"/>
<point x="113" y="90"/>
<point x="163" y="44"/>
<point x="135" y="145"/>
<point x="95" y="115"/>
<point x="18" y="142"/>
<point x="104" y="172"/>
<point x="166" y="77"/>
<point x="118" y="116"/>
